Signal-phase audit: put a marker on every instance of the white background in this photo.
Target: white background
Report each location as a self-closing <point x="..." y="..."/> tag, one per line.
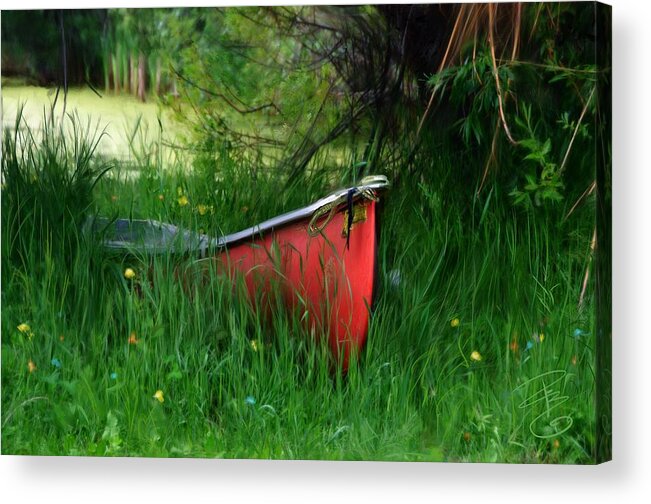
<point x="626" y="479"/>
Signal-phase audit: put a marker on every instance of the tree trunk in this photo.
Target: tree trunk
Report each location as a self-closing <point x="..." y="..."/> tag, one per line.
<point x="133" y="75"/>
<point x="158" y="77"/>
<point x="116" y="73"/>
<point x="142" y="66"/>
<point x="124" y="62"/>
<point x="175" y="92"/>
<point x="106" y="66"/>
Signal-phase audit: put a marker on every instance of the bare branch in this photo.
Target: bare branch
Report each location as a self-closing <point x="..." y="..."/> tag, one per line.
<point x="243" y="111"/>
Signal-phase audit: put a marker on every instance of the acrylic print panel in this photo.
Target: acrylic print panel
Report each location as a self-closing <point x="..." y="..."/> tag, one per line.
<point x="374" y="232"/>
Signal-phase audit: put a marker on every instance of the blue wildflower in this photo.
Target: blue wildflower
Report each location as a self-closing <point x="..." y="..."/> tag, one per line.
<point x="529" y="346"/>
<point x="114" y="375"/>
<point x="250" y="400"/>
<point x="56" y="363"/>
<point x="578" y="333"/>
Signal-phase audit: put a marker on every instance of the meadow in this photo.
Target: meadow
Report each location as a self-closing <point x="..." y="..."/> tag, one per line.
<point x="127" y="123"/>
<point x="481" y="345"/>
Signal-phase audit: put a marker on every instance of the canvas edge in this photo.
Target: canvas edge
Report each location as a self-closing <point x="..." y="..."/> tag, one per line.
<point x="603" y="222"/>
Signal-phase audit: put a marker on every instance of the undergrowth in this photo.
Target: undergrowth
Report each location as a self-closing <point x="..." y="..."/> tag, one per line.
<point x="478" y="349"/>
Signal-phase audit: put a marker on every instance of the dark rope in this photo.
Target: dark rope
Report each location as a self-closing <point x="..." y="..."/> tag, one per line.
<point x="349" y="206"/>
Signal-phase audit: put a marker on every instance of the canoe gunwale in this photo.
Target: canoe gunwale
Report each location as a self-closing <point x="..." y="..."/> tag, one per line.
<point x="372" y="183"/>
<point x="204" y="244"/>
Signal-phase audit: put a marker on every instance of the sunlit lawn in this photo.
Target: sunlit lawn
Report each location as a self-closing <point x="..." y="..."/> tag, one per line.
<point x="119" y="115"/>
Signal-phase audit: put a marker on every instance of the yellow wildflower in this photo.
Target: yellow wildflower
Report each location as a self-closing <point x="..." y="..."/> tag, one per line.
<point x="183" y="200"/>
<point x="454" y="322"/>
<point x="475" y="356"/>
<point x="24" y="328"/>
<point x="541" y="338"/>
<point x="254" y="345"/>
<point x="159" y="396"/>
<point x="161" y="197"/>
<point x="132" y="338"/>
<point x="31" y="366"/>
<point x="129" y="274"/>
<point x="202" y="209"/>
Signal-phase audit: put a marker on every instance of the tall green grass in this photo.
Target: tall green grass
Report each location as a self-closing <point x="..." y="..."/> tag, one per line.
<point x="477" y="349"/>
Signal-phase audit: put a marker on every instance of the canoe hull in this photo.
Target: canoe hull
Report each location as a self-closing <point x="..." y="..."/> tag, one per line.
<point x="321" y="259"/>
<point x="326" y="277"/>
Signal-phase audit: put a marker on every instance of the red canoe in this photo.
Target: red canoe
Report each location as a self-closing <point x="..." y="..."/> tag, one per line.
<point x="323" y="256"/>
